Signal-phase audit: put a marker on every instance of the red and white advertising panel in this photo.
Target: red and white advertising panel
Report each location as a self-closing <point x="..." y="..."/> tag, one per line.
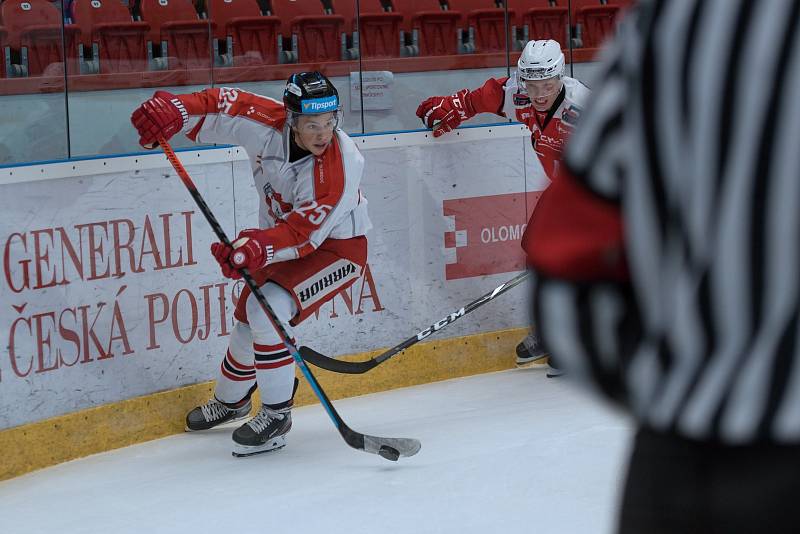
<point x="108" y="289"/>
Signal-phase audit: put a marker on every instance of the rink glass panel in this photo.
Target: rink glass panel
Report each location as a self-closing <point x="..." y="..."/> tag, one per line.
<point x="130" y="50"/>
<point x="74" y="70"/>
<point x="430" y="52"/>
<point x="32" y="80"/>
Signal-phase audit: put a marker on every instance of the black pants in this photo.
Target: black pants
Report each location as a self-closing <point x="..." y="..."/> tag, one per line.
<point x="676" y="485"/>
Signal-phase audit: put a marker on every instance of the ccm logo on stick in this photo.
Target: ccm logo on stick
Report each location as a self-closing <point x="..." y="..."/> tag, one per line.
<point x="440" y="324"/>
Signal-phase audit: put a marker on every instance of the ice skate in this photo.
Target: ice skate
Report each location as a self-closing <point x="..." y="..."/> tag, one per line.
<point x="530" y="352"/>
<point x="263" y="433"/>
<point x="213" y="414"/>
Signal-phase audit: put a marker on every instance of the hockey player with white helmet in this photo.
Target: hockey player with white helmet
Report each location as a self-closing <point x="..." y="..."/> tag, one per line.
<point x="538" y="95"/>
<point x="311" y="243"/>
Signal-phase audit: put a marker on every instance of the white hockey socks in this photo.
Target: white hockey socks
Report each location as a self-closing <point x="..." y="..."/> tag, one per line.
<point x="274" y="365"/>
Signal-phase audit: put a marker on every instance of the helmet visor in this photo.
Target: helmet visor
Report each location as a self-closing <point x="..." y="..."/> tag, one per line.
<point x="542" y="88"/>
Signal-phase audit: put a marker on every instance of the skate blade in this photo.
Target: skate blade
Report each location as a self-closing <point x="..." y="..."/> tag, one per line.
<point x="243" y="451"/>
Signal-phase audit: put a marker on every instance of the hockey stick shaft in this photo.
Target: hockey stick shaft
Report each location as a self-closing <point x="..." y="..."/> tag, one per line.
<point x="342" y="366"/>
<point x="404" y="446"/>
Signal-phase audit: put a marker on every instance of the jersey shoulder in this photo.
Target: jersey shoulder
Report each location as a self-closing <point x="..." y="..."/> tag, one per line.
<point x="576" y="92"/>
<point x="511" y="84"/>
<point x="258" y="108"/>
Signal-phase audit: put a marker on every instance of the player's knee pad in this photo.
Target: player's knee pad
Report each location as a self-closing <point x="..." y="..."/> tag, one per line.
<point x="279" y="300"/>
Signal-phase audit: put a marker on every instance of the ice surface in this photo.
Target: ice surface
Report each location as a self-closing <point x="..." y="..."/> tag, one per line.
<point x="510" y="452"/>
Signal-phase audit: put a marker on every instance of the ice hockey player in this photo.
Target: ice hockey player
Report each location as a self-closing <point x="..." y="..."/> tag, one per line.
<point x="311" y="243"/>
<point x="538" y="95"/>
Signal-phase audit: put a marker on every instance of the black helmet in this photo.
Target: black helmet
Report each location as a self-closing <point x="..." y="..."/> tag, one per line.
<point x="310" y="93"/>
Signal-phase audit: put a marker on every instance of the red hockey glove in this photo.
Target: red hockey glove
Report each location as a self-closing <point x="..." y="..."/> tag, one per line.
<point x="445" y="113"/>
<point x="163" y="114"/>
<point x="222" y="253"/>
<point x="252" y="250"/>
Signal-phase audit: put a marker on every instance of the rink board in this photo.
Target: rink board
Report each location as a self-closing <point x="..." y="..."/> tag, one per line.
<point x="111" y="298"/>
<point x="111" y="426"/>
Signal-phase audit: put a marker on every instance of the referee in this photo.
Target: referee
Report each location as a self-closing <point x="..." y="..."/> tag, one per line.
<point x="668" y="261"/>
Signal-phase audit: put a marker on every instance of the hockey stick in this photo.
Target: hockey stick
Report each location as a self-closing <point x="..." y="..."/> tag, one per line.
<point x="389" y="448"/>
<point x="341" y="366"/>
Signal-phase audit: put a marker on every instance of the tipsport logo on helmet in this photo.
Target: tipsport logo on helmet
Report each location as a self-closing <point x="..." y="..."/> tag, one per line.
<point x="320" y="105"/>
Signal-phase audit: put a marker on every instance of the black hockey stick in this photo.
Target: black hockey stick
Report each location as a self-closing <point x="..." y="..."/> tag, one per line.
<point x="389" y="448"/>
<point x="355" y="368"/>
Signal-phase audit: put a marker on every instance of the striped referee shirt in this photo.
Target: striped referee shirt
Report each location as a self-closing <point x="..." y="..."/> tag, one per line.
<point x="668" y="251"/>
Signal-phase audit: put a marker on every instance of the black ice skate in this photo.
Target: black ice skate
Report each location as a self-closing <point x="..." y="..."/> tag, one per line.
<point x="214" y="413"/>
<point x="530" y="352"/>
<point x="263" y="433"/>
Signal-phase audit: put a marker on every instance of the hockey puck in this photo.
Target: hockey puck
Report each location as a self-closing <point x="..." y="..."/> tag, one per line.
<point x="390" y="453"/>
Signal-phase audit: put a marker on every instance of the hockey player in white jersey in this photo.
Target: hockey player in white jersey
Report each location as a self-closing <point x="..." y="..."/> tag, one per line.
<point x="311" y="242"/>
<point x="538" y="95"/>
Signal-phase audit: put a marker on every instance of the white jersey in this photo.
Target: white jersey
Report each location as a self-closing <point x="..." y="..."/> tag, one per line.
<point x="549" y="129"/>
<point x="307" y="201"/>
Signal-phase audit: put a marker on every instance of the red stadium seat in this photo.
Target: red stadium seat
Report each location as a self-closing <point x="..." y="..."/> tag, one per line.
<point x="318" y="35"/>
<point x="546" y="22"/>
<point x="347" y="9"/>
<point x="184" y="38"/>
<point x="286" y="10"/>
<point x="597" y="23"/>
<point x="378" y="30"/>
<point x="35" y="30"/>
<point x="540" y="20"/>
<point x="577" y="5"/>
<point x="486" y="23"/>
<point x="107" y="27"/>
<point x="435" y="30"/>
<point x="252" y="38"/>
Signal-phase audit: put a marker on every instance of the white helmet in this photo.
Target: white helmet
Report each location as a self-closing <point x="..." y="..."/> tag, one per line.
<point x="541" y="60"/>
